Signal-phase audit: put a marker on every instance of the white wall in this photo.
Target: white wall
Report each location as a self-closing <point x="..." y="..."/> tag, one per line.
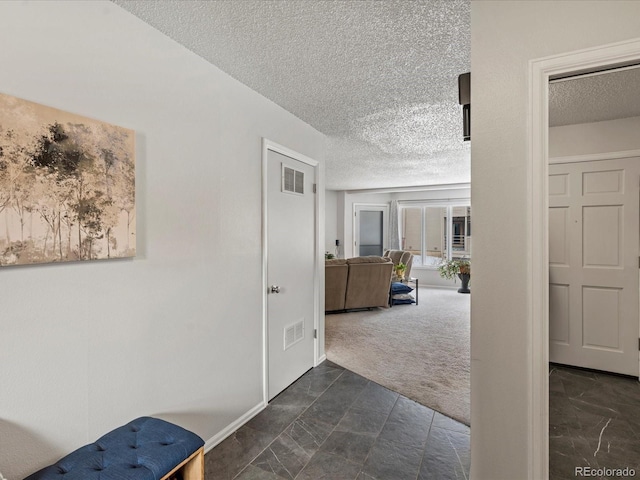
<point x="505" y="35"/>
<point x="600" y="137"/>
<point x="177" y="331"/>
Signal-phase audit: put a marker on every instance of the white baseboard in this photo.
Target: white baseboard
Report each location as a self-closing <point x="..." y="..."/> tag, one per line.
<point x="233" y="426"/>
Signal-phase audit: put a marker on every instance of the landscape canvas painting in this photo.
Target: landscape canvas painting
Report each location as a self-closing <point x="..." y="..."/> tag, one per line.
<point x="67" y="186"/>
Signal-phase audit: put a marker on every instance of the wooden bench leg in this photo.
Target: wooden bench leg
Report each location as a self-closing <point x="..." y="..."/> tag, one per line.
<point x="194" y="469"/>
<point x="191" y="469"/>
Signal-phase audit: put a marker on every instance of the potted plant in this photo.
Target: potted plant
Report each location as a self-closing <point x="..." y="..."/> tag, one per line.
<point x="327" y="256"/>
<point x="457" y="267"/>
<point x="400" y="268"/>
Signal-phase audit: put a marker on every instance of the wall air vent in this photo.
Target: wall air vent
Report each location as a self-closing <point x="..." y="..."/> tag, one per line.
<point x="292" y="180"/>
<point x="293" y="334"/>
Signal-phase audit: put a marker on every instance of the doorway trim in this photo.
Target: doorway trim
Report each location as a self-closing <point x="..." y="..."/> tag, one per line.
<point x="540" y="72"/>
<point x="382" y="207"/>
<point x="268" y="145"/>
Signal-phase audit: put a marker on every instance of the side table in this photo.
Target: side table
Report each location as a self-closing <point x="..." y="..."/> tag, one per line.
<point x="415" y="281"/>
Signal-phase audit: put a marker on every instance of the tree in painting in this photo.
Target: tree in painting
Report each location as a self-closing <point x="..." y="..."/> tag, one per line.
<point x="67" y="186"/>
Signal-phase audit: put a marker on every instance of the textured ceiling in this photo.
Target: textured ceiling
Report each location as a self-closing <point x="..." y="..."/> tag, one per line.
<point x="379" y="78"/>
<point x="595" y="98"/>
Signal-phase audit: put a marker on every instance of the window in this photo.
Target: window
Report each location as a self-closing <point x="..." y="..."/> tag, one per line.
<point x="425" y="233"/>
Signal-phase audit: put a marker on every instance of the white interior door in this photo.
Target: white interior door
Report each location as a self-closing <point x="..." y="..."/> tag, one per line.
<point x="593" y="264"/>
<point x="370" y="229"/>
<point x="290" y="270"/>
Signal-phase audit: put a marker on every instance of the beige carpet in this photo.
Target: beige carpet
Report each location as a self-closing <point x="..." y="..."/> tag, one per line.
<point x="421" y="352"/>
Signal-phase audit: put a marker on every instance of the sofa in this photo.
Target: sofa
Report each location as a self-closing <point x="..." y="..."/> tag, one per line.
<point x="360" y="282"/>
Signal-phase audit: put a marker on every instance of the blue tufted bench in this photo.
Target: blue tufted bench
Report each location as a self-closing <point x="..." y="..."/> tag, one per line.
<point x="144" y="449"/>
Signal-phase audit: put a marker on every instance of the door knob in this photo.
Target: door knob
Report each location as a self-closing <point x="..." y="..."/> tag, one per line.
<point x="275" y="289"/>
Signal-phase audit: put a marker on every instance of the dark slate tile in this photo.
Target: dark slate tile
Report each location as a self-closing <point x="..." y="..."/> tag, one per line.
<point x="330" y="467"/>
<point x="336" y="398"/>
<point x="348" y="378"/>
<point x="607" y="393"/>
<point x="560" y="406"/>
<point x="325" y="411"/>
<point x="325" y="370"/>
<point x="376" y="398"/>
<point x="623" y="389"/>
<point x="354" y="447"/>
<point x="331" y="406"/>
<point x="362" y="421"/>
<point x="275" y="418"/>
<point x="575" y="383"/>
<point x="317" y="380"/>
<point x="596" y="427"/>
<point x="408" y="423"/>
<point x="563" y="427"/>
<point x="309" y="433"/>
<point x="567" y="453"/>
<point x="284" y="457"/>
<point x="228" y="458"/>
<point x="557" y="476"/>
<point x="392" y="461"/>
<point x="594" y="421"/>
<point x="365" y="476"/>
<point x="616" y="453"/>
<point x="447" y="455"/>
<point x="255" y="473"/>
<point x="630" y="414"/>
<point x="600" y="409"/>
<point x="295" y="397"/>
<point x="330" y="364"/>
<point x="442" y="421"/>
<point x="555" y="383"/>
<point x="343" y="392"/>
<point x="576" y="374"/>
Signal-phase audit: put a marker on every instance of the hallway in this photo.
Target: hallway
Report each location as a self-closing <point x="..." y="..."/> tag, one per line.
<point x="333" y="423"/>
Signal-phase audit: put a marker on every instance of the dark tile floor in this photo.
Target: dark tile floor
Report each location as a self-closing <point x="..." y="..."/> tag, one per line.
<point x="594" y="421"/>
<point x="334" y="424"/>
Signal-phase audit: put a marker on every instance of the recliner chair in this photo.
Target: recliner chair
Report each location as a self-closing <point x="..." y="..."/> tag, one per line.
<point x="401" y="256"/>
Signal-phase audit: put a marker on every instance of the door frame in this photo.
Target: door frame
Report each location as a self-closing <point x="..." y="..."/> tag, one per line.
<point x="268" y="145"/>
<point x="382" y="207"/>
<point x="540" y="72"/>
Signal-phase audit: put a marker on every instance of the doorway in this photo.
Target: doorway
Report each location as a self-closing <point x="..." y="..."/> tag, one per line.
<point x="290" y="273"/>
<point x="593" y="270"/>
<point x="541" y="71"/>
<point x="370" y="228"/>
